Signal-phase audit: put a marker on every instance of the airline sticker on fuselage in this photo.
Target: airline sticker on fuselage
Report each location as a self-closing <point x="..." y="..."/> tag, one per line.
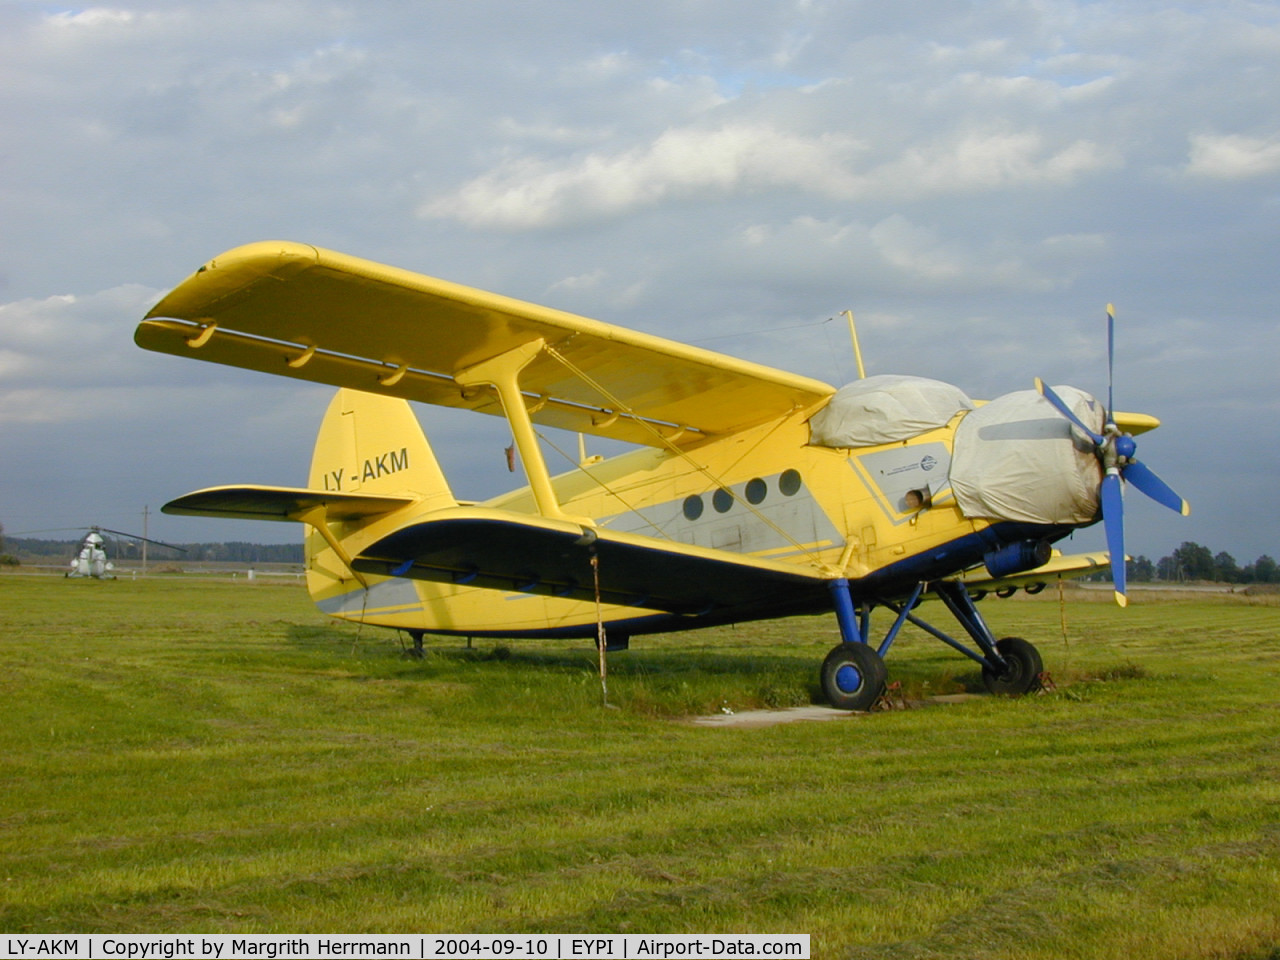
<point x="893" y="473"/>
<point x="373" y="468"/>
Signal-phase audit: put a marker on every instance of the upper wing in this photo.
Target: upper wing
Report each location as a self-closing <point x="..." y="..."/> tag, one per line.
<point x="299" y="311"/>
<point x="1135" y="423"/>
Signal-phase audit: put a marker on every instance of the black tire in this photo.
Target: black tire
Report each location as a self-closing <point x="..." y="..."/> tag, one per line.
<point x="1024" y="668"/>
<point x="853" y="677"/>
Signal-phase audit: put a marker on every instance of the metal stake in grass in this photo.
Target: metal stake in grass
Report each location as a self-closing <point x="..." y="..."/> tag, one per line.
<point x="600" y="636"/>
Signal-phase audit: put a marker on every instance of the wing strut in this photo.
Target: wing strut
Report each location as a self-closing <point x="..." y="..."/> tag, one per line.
<point x="315" y="518"/>
<point x="503" y="373"/>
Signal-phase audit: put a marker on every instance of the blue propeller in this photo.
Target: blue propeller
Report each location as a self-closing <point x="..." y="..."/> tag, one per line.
<point x="1117" y="452"/>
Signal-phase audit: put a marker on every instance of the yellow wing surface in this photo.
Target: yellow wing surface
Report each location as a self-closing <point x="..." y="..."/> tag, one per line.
<point x="1059" y="567"/>
<point x="300" y="311"/>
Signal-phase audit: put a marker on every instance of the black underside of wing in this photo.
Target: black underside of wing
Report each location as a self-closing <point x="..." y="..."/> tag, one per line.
<point x="515" y="557"/>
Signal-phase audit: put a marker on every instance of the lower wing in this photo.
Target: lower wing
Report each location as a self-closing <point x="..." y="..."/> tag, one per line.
<point x="513" y="552"/>
<point x="1058" y="568"/>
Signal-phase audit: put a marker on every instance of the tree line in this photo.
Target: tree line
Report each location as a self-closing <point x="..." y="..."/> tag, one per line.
<point x="1193" y="561"/>
<point x="118" y="549"/>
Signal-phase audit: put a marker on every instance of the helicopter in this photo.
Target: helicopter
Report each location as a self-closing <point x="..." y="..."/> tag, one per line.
<point x="91" y="558"/>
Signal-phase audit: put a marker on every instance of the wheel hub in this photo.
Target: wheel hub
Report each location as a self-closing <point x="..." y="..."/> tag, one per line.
<point x="848" y="679"/>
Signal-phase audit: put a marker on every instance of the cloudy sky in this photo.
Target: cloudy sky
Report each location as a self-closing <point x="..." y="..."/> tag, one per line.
<point x="975" y="180"/>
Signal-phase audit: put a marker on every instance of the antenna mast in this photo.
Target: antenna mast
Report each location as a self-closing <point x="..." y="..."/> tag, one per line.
<point x="857" y="350"/>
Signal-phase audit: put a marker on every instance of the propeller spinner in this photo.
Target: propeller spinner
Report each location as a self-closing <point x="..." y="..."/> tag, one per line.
<point x="1117" y="452"/>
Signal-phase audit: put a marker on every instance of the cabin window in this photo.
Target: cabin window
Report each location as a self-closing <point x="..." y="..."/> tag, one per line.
<point x="757" y="490"/>
<point x="722" y="500"/>
<point x="789" y="482"/>
<point x="693" y="507"/>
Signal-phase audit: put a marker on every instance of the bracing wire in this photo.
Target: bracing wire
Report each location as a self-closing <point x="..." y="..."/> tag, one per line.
<point x="621" y="407"/>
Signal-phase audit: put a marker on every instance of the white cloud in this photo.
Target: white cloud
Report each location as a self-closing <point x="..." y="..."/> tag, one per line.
<point x="581" y="281"/>
<point x="989" y="162"/>
<point x="1233" y="157"/>
<point x="93" y="17"/>
<point x="914" y="250"/>
<point x="892" y="254"/>
<point x="58" y="353"/>
<point x="680" y="163"/>
<point x="686" y="163"/>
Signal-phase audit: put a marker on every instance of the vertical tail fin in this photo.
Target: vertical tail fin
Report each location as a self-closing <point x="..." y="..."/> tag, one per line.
<point x="373" y="444"/>
<point x="367" y="444"/>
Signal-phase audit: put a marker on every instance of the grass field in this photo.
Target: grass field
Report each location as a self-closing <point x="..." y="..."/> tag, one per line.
<point x="205" y="756"/>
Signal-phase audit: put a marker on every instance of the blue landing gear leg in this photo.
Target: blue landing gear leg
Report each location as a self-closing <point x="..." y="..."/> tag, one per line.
<point x="1009" y="666"/>
<point x="853" y="674"/>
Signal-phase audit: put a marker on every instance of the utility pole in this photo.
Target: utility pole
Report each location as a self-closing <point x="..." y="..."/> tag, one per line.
<point x="146" y="513"/>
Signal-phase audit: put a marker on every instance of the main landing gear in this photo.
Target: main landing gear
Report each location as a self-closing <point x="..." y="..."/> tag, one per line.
<point x="853" y="673"/>
<point x="415" y="652"/>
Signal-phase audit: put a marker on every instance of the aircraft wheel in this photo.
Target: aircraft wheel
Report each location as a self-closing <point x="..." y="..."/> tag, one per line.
<point x="853" y="676"/>
<point x="1024" y="668"/>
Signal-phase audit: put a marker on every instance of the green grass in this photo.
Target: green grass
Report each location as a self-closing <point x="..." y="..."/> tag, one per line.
<point x="201" y="756"/>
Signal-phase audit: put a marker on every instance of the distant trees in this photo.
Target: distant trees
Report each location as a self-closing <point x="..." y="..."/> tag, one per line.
<point x="1262" y="570"/>
<point x="1225" y="568"/>
<point x="236" y="552"/>
<point x="1191" y="561"/>
<point x="1140" y="569"/>
<point x="240" y="552"/>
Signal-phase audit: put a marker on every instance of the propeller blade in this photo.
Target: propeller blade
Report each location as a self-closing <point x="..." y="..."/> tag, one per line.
<point x="1141" y="476"/>
<point x="1113" y="521"/>
<point x="1111" y="362"/>
<point x="1060" y="405"/>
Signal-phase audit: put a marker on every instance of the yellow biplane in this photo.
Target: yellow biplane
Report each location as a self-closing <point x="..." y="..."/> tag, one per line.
<point x="753" y="493"/>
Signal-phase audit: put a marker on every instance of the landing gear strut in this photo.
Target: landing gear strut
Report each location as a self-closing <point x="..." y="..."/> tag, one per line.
<point x="416" y="652"/>
<point x="853" y="674"/>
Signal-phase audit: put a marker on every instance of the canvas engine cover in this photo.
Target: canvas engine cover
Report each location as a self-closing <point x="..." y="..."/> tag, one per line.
<point x="1017" y="458"/>
<point x="885" y="409"/>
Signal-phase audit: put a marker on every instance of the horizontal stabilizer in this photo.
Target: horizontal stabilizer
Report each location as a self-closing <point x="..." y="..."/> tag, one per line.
<point x="281" y="503"/>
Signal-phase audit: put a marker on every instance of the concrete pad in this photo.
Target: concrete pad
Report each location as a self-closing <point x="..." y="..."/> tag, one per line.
<point x="769" y="718"/>
<point x="754" y="719"/>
